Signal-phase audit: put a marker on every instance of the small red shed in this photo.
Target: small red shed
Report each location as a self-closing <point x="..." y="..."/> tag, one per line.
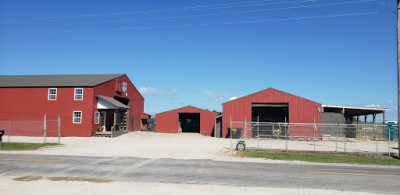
<point x="270" y="105"/>
<point x="187" y="119"/>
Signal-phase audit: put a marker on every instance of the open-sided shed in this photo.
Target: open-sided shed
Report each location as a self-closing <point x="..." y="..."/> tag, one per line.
<point x="186" y="120"/>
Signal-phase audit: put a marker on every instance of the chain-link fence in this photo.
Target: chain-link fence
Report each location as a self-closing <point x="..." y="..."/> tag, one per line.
<point x="44" y="131"/>
<point x="376" y="139"/>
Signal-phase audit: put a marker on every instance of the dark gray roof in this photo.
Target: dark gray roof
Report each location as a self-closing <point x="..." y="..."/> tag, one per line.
<point x="79" y="80"/>
<point x="113" y="102"/>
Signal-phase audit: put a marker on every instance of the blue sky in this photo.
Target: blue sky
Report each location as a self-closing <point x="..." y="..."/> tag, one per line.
<point x="204" y="52"/>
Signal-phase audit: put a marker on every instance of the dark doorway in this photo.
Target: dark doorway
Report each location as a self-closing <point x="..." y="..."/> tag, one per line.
<point x="270" y="114"/>
<point x="189" y="122"/>
<point x="122" y="100"/>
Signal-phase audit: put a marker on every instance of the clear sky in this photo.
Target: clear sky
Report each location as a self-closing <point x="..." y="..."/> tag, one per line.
<point x="204" y="52"/>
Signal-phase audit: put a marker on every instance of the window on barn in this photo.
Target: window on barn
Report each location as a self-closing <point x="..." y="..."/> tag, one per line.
<point x="78" y="94"/>
<point x="52" y="94"/>
<point x="124" y="86"/>
<point x="96" y="117"/>
<point x="77" y="117"/>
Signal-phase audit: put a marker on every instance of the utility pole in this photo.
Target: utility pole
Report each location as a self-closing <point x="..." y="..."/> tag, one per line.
<point x="398" y="74"/>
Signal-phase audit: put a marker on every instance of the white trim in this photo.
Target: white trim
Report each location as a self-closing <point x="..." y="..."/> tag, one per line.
<point x="73" y="117"/>
<point x="98" y="118"/>
<point x="48" y="94"/>
<point x="77" y="94"/>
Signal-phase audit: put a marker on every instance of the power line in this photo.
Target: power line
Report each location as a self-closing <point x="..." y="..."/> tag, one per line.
<point x="204" y="7"/>
<point x="225" y="13"/>
<point x="225" y="23"/>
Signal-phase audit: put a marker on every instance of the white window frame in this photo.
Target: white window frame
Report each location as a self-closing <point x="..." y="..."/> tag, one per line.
<point x="78" y="94"/>
<point x="124" y="86"/>
<point x="96" y="117"/>
<point x="73" y="117"/>
<point x="55" y="95"/>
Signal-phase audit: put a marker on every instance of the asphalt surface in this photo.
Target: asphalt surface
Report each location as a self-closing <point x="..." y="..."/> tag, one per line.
<point x="277" y="175"/>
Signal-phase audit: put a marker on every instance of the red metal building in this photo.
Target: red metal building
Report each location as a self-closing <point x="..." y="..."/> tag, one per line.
<point x="83" y="102"/>
<point x="270" y="105"/>
<point x="186" y="119"/>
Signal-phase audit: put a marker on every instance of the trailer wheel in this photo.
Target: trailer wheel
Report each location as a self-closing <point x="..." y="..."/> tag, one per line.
<point x="240" y="146"/>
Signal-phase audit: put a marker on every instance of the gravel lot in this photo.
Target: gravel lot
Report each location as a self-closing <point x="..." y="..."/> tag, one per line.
<point x="186" y="146"/>
<point x="137" y="144"/>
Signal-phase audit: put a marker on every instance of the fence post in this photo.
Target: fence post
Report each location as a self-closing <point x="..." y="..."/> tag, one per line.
<point x="230" y="129"/>
<point x="389" y="143"/>
<point x="258" y="132"/>
<point x="345" y="141"/>
<point x="9" y="129"/>
<point x="376" y="140"/>
<point x="245" y="126"/>
<point x="286" y="136"/>
<point x="44" y="130"/>
<point x="314" y="133"/>
<point x="59" y="129"/>
<point x="337" y="134"/>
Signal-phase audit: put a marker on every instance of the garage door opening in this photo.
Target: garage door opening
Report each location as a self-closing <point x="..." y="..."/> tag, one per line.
<point x="189" y="123"/>
<point x="269" y="113"/>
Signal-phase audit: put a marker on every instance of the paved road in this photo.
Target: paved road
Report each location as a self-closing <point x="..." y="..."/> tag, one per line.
<point x="348" y="178"/>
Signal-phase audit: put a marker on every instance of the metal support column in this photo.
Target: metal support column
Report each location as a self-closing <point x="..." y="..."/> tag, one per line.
<point x="44" y="130"/>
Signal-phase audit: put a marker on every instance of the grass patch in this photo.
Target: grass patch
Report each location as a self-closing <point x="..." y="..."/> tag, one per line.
<point x="323" y="158"/>
<point x="24" y="146"/>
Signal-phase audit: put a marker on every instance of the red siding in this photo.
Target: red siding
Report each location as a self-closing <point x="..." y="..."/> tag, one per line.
<point x="136" y="100"/>
<point x="300" y="110"/>
<point x="167" y="122"/>
<point x="32" y="104"/>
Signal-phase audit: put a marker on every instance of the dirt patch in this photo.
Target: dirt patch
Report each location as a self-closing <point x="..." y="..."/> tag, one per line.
<point x="94" y="180"/>
<point x="28" y="178"/>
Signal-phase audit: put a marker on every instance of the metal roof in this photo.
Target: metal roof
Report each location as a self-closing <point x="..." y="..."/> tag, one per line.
<point x="189" y="106"/>
<point x="356" y="110"/>
<point x="81" y="80"/>
<point x="113" y="102"/>
<point x="270" y="88"/>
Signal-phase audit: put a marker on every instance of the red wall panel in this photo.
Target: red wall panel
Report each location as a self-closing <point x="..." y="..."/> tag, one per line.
<point x="32" y="104"/>
<point x="300" y="110"/>
<point x="136" y="100"/>
<point x="167" y="122"/>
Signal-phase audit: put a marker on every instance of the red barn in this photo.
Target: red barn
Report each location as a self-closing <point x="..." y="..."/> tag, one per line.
<point x="186" y="119"/>
<point x="270" y="105"/>
<point x="83" y="102"/>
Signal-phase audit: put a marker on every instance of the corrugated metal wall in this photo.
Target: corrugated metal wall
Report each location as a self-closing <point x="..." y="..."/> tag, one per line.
<point x="300" y="110"/>
<point x="167" y="122"/>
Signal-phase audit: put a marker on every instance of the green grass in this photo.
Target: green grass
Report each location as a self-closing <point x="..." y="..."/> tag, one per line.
<point x="323" y="158"/>
<point x="23" y="146"/>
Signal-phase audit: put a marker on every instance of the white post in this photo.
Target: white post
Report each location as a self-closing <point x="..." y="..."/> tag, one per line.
<point x="258" y="132"/>
<point x="286" y="136"/>
<point x="389" y="143"/>
<point x="337" y="134"/>
<point x="44" y="130"/>
<point x="376" y="140"/>
<point x="59" y="129"/>
<point x="314" y="133"/>
<point x="245" y="125"/>
<point x="230" y="129"/>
